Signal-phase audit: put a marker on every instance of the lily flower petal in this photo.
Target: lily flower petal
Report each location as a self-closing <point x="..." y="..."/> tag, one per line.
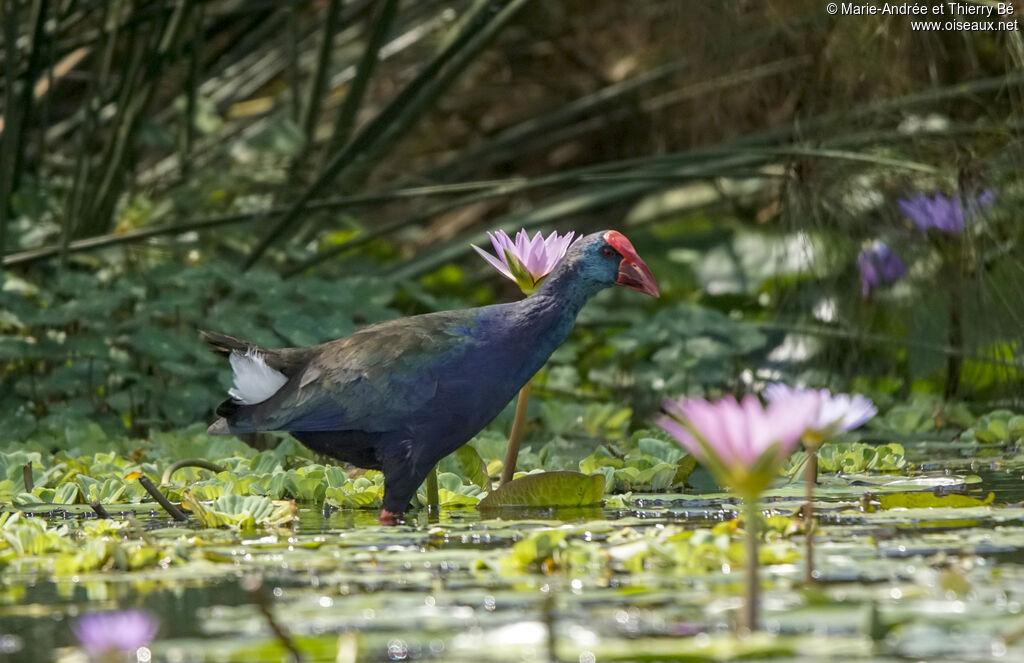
<point x="946" y="214"/>
<point x="497" y="264"/>
<point x="836" y="413"/>
<point x="742" y="443"/>
<point x="123" y="631"/>
<point x="879" y="265"/>
<point x="536" y="256"/>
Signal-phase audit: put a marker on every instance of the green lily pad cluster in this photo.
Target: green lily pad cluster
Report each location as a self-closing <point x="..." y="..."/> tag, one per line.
<point x="923" y="413"/>
<point x="631" y="577"/>
<point x="64" y="479"/>
<point x="652" y="464"/>
<point x="670" y="549"/>
<point x="244" y="513"/>
<point x="31" y="545"/>
<point x="698" y="343"/>
<point x="849" y="457"/>
<point x="248" y="489"/>
<point x="549" y="551"/>
<point x="265" y="475"/>
<point x="999" y="427"/>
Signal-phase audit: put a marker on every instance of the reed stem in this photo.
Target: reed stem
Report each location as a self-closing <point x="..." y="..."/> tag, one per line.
<point x="811" y="480"/>
<point x="173" y="510"/>
<point x="433" y="498"/>
<point x="954" y="360"/>
<point x="508" y="470"/>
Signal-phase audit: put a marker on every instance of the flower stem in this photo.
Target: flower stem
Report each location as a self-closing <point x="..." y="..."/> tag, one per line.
<point x="811" y="479"/>
<point x="433" y="500"/>
<point x="753" y="525"/>
<point x="516" y="436"/>
<point x="954" y="361"/>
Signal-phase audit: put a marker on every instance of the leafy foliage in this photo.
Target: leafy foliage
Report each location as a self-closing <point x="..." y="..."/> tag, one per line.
<point x="244" y="513"/>
<point x="125" y="352"/>
<point x="929" y="500"/>
<point x="998" y="427"/>
<point x="654" y="465"/>
<point x="347" y="154"/>
<point x="851" y="457"/>
<point x="555" y="488"/>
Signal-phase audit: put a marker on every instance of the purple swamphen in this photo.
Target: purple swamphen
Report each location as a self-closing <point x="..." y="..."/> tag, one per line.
<point x="401" y="395"/>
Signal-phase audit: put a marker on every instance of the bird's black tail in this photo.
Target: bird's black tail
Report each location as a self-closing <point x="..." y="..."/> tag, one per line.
<point x="225" y="345"/>
<point x="228" y="408"/>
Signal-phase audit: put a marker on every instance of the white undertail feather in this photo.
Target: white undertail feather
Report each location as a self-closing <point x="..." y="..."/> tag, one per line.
<point x="255" y="382"/>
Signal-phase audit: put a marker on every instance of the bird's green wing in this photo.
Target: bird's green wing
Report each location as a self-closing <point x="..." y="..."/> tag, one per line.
<point x="373" y="379"/>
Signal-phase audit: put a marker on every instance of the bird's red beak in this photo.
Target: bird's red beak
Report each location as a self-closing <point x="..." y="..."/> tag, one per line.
<point x="633" y="272"/>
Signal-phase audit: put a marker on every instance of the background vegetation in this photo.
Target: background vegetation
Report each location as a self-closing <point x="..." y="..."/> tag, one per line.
<point x="289" y="171"/>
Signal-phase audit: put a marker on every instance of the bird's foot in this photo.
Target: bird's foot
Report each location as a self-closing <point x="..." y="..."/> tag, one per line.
<point x="389" y="517"/>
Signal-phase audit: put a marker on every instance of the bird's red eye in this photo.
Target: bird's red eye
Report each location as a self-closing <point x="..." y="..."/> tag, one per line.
<point x="608" y="252"/>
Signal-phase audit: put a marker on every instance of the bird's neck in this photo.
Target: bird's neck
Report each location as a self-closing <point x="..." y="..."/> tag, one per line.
<point x="545" y="319"/>
<point x="566" y="288"/>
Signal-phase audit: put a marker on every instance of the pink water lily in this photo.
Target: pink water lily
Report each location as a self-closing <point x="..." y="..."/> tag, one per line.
<point x="834" y="413"/>
<point x="837" y="413"/>
<point x="124" y="631"/>
<point x="526" y="260"/>
<point x="742" y="443"/>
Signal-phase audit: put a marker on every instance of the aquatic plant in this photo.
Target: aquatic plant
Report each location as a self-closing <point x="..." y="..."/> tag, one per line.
<point x="879" y="265"/>
<point x="836" y="413"/>
<point x="743" y="444"/>
<point x="527" y="261"/>
<point x="943" y="213"/>
<point x="115" y="636"/>
<point x="945" y="226"/>
<point x="948" y="215"/>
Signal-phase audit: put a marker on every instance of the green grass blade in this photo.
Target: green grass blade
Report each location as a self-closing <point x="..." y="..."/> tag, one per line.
<point x="346" y="119"/>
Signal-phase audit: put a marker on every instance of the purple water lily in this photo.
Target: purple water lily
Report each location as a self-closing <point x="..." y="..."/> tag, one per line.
<point x="112" y="632"/>
<point x="837" y="413"/>
<point x="879" y="265"/>
<point x="945" y="214"/>
<point x="742" y="443"/>
<point x="526" y="260"/>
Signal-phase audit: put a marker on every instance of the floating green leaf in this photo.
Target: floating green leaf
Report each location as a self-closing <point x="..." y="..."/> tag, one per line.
<point x="467" y="463"/>
<point x="548" y="489"/>
<point x="236" y="512"/>
<point x="851" y="457"/>
<point x="927" y="500"/>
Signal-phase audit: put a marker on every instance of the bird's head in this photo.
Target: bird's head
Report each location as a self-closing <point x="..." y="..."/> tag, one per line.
<point x="608" y="258"/>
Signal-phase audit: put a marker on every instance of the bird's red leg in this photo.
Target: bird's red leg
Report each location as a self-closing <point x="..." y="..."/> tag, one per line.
<point x="401" y="479"/>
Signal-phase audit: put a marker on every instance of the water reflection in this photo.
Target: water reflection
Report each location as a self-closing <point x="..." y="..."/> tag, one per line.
<point x="337" y="581"/>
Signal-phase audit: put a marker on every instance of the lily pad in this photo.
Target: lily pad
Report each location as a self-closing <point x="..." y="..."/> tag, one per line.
<point x="550" y="489"/>
<point x="924" y="500"/>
